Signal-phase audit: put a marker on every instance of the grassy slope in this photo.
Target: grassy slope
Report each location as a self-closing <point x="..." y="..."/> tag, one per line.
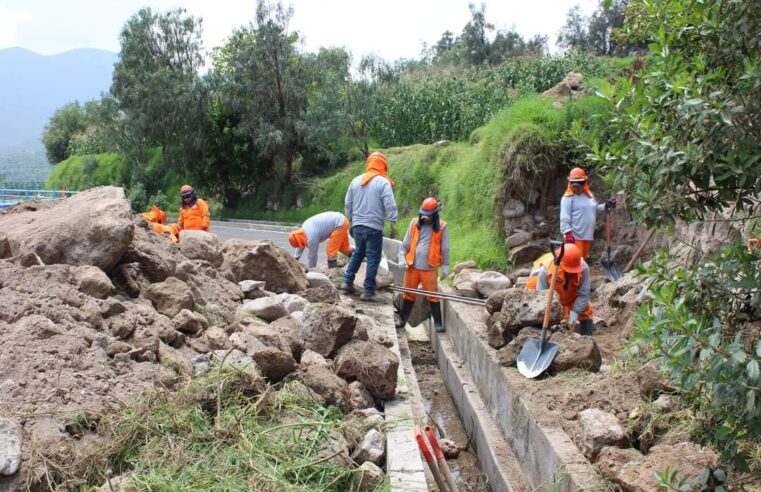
<point x="464" y="176"/>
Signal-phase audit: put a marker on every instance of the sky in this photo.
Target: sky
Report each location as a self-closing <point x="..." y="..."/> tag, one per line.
<point x="392" y="29"/>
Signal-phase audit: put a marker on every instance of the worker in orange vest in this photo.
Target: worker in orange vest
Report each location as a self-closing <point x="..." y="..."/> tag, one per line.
<point x="578" y="212"/>
<point x="572" y="286"/>
<point x="194" y="213"/>
<point x="332" y="227"/>
<point x="425" y="248"/>
<point x="157" y="218"/>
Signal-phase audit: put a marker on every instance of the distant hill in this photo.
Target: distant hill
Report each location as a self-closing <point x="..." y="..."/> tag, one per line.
<point x="33" y="86"/>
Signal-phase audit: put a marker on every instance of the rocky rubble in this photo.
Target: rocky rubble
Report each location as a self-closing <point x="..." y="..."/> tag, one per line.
<point x="106" y="309"/>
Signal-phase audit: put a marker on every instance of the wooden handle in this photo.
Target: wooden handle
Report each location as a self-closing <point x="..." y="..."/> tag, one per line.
<point x="550" y="292"/>
<point x="607" y="227"/>
<point x="639" y="250"/>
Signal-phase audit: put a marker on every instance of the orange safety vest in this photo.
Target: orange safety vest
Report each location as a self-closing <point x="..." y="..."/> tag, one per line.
<point x="434" y="249"/>
<point x="195" y="217"/>
<point x="566" y="291"/>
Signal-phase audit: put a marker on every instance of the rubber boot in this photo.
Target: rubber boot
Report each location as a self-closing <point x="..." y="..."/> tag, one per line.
<point x="368" y="295"/>
<point x="436" y="314"/>
<point x="347" y="287"/>
<point x="332" y="263"/>
<point x="404" y="313"/>
<point x="586" y="326"/>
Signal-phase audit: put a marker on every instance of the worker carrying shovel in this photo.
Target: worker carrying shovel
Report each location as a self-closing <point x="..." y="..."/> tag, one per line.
<point x="572" y="286"/>
<point x="425" y="248"/>
<point x="579" y="210"/>
<point x="332" y="227"/>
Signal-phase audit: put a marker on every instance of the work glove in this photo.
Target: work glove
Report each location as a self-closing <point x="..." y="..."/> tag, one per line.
<point x="444" y="272"/>
<point x="392" y="233"/>
<point x="573" y="318"/>
<point x="610" y="204"/>
<point x="569" y="237"/>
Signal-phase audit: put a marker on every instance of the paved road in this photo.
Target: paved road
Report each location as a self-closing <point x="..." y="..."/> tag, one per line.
<point x="231" y="230"/>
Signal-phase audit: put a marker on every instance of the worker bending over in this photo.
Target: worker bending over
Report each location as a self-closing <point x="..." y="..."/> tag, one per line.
<point x="157" y="218"/>
<point x="578" y="212"/>
<point x="425" y="248"/>
<point x="194" y="212"/>
<point x="330" y="226"/>
<point x="572" y="286"/>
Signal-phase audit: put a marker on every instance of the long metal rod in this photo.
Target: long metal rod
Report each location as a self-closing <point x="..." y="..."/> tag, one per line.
<point x="442" y="295"/>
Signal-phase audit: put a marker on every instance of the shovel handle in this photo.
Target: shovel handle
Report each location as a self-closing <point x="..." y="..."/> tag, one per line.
<point x="639" y="250"/>
<point x="607" y="231"/>
<point x="551" y="290"/>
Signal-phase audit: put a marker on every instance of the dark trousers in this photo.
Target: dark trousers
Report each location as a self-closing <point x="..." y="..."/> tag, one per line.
<point x="369" y="244"/>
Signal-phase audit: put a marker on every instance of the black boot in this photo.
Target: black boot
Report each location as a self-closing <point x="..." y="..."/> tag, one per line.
<point x="586" y="326"/>
<point x="333" y="263"/>
<point x="404" y="313"/>
<point x="436" y="313"/>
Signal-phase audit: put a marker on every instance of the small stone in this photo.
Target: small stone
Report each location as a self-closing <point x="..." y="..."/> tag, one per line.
<point x="664" y="403"/>
<point x="358" y="396"/>
<point x="465" y="265"/>
<point x="449" y="448"/>
<point x="10" y="446"/>
<point x="250" y="285"/>
<point x="372" y="448"/>
<point x="369" y="477"/>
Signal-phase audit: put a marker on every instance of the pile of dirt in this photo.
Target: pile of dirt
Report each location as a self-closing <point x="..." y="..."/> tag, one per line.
<point x="97" y="309"/>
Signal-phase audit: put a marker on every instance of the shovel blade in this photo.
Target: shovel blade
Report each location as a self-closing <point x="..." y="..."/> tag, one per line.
<point x="611" y="270"/>
<point x="532" y="360"/>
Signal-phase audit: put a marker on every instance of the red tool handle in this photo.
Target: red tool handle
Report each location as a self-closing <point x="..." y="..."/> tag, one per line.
<point x="423" y="447"/>
<point x="434" y="443"/>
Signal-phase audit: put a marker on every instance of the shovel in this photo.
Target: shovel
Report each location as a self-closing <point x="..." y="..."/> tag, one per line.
<point x="537" y="355"/>
<point x="609" y="267"/>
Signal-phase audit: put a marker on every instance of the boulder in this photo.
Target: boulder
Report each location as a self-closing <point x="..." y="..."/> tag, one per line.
<point x="11" y="438"/>
<point x="372" y="448"/>
<point x="573" y="80"/>
<point x="172" y="359"/>
<point x="490" y="282"/>
<point x="238" y="360"/>
<point x="316" y="279"/>
<point x="170" y="296"/>
<point x="151" y="255"/>
<point x="513" y="208"/>
<point x="518" y="238"/>
<point x="293" y="302"/>
<point x="117" y="347"/>
<point x="421" y="310"/>
<point x="495" y="301"/>
<point x="201" y="245"/>
<point x="216" y="338"/>
<point x="576" y="351"/>
<point x="322" y="293"/>
<point x="247" y="286"/>
<point x="365" y="327"/>
<point x="93" y="227"/>
<point x="525" y="307"/>
<point x="264" y="334"/>
<point x="274" y="364"/>
<point x="358" y="397"/>
<point x="465" y="265"/>
<point x="465" y="282"/>
<point x="633" y="472"/>
<point x="508" y="355"/>
<point x="499" y="331"/>
<point x="328" y="388"/>
<point x="449" y="448"/>
<point x="266" y="308"/>
<point x="326" y="328"/>
<point x="598" y="429"/>
<point x="373" y="365"/>
<point x="650" y="382"/>
<point x="622" y="255"/>
<point x="369" y="477"/>
<point x="94" y="282"/>
<point x="190" y="322"/>
<point x="262" y="260"/>
<point x="383" y="278"/>
<point x="526" y="253"/>
<point x="312" y="358"/>
<point x="566" y="87"/>
<point x="289" y="329"/>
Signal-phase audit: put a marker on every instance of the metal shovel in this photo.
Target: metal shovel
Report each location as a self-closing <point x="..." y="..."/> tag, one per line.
<point x="609" y="267"/>
<point x="537" y="355"/>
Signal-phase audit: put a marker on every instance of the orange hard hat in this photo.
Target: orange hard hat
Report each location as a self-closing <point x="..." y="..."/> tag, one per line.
<point x="186" y="190"/>
<point x="380" y="157"/>
<point x="429" y="207"/>
<point x="571" y="261"/>
<point x="577" y="174"/>
<point x="293" y="241"/>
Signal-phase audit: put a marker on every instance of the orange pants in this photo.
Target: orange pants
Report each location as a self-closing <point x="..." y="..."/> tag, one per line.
<point x="338" y="241"/>
<point x="414" y="277"/>
<point x="584" y="247"/>
<point x="586" y="314"/>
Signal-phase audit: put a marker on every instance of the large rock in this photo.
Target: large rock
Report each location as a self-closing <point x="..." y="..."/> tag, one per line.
<point x="94" y="282"/>
<point x="293" y="302"/>
<point x="151" y="255"/>
<point x="524" y="307"/>
<point x="372" y="448"/>
<point x="10" y="446"/>
<point x="371" y="364"/>
<point x="311" y="358"/>
<point x="651" y="384"/>
<point x="421" y="310"/>
<point x="526" y="253"/>
<point x="328" y="388"/>
<point x="570" y="84"/>
<point x="266" y="308"/>
<point x="358" y="397"/>
<point x="369" y="476"/>
<point x="513" y="208"/>
<point x="465" y="282"/>
<point x="94" y="227"/>
<point x="634" y="472"/>
<point x="576" y="351"/>
<point x="201" y="245"/>
<point x="518" y="238"/>
<point x="170" y="296"/>
<point x="490" y="282"/>
<point x="465" y="265"/>
<point x="383" y="278"/>
<point x="598" y="429"/>
<point x="190" y="322"/>
<point x="495" y="301"/>
<point x="326" y="328"/>
<point x="262" y="260"/>
<point x="322" y="293"/>
<point x="316" y="279"/>
<point x="499" y="331"/>
<point x="274" y="364"/>
<point x="289" y="329"/>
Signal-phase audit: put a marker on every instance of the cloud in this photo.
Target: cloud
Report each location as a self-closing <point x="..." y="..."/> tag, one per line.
<point x="9" y="23"/>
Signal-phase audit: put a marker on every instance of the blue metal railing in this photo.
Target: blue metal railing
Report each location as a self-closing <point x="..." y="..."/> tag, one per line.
<point x="13" y="196"/>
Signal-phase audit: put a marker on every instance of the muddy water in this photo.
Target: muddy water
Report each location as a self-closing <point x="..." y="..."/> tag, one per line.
<point x="444" y="419"/>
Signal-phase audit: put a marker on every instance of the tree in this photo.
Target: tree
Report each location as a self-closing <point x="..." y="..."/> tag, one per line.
<point x="595" y="33"/>
<point x="156" y="83"/>
<point x="575" y="33"/>
<point x="66" y="122"/>
<point x="474" y="36"/>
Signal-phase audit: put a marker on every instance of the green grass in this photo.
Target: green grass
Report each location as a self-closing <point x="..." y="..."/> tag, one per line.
<point x="81" y="172"/>
<point x="261" y="438"/>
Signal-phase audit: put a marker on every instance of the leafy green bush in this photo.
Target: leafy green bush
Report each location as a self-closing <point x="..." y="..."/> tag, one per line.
<point x="138" y="198"/>
<point x="160" y="200"/>
<point x="704" y="321"/>
<point x="81" y="172"/>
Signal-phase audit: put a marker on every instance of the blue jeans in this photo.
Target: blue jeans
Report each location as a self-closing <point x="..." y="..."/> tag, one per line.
<point x="369" y="244"/>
